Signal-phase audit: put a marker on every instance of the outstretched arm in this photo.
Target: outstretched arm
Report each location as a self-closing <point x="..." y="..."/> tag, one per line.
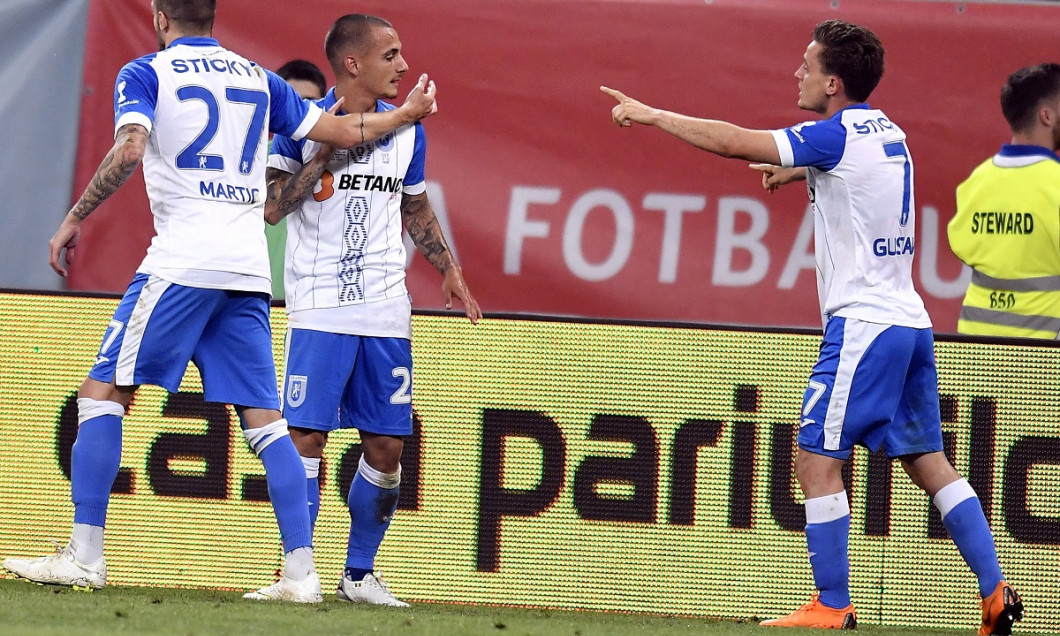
<point x="718" y="137"/>
<point x="422" y="225"/>
<point x="359" y="128"/>
<point x="119" y="164"/>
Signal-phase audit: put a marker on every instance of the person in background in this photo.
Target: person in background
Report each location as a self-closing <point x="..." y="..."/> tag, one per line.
<point x="1007" y="225"/>
<point x="308" y="81"/>
<point x="875" y="382"/>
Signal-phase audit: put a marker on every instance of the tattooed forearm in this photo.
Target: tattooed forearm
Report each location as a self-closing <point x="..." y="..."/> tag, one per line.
<point x="117" y="167"/>
<point x="286" y="191"/>
<point x="422" y="226"/>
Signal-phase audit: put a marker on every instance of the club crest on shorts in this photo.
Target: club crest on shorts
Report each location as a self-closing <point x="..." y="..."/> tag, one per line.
<point x="296" y="385"/>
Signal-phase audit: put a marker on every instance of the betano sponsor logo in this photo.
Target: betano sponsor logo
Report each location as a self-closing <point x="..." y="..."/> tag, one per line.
<point x="637" y="467"/>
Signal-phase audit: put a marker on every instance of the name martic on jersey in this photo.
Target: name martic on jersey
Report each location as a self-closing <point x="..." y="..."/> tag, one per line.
<point x="228" y="192"/>
<point x="369" y="182"/>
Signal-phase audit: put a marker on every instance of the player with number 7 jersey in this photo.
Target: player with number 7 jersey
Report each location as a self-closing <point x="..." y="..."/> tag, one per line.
<point x="875" y="383"/>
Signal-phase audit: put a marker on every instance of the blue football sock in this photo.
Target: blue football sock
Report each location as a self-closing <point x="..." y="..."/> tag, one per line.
<point x="372" y="507"/>
<point x="287" y="490"/>
<point x="968" y="528"/>
<point x="312" y="486"/>
<point x="355" y="574"/>
<point x="94" y="466"/>
<point x="827" y="532"/>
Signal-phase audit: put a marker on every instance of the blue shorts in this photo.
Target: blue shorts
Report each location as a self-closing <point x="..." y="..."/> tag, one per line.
<point x="874" y="385"/>
<point x="334" y="380"/>
<point x="160" y="326"/>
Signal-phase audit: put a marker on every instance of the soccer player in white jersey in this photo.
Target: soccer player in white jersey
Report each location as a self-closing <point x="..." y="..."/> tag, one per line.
<point x="875" y="383"/>
<point x="197" y="115"/>
<point x="348" y="351"/>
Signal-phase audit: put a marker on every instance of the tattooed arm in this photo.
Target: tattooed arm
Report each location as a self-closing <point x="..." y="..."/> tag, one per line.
<point x="117" y="167"/>
<point x="422" y="225"/>
<point x="286" y="191"/>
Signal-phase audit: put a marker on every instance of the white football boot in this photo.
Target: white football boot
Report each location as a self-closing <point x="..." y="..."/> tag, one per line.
<point x="60" y="568"/>
<point x="305" y="591"/>
<point x="371" y="590"/>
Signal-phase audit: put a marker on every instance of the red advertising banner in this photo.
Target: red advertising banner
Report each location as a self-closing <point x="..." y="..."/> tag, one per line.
<point x="551" y="208"/>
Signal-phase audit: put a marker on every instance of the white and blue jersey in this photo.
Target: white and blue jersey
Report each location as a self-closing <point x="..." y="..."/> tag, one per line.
<point x="208" y="111"/>
<point x="875" y="381"/>
<point x="345" y="261"/>
<point x="860" y="179"/>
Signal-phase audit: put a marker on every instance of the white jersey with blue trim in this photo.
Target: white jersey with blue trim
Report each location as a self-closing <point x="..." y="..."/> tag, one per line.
<point x="345" y="261"/>
<point x="208" y="111"/>
<point x="860" y="178"/>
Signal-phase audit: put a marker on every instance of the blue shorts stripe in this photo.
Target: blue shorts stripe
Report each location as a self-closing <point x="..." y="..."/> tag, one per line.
<point x="160" y="326"/>
<point x="873" y="385"/>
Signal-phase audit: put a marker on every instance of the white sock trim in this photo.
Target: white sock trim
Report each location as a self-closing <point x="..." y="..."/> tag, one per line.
<point x="827" y="508"/>
<point x="386" y="481"/>
<point x="87" y="408"/>
<point x="260" y="438"/>
<point x="312" y="467"/>
<point x="952" y="494"/>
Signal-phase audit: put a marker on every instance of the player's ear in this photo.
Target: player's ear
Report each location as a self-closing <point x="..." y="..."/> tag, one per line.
<point x="350" y="63"/>
<point x="835" y="85"/>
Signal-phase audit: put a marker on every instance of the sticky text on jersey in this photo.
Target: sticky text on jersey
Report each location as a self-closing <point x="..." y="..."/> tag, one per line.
<point x="203" y="65"/>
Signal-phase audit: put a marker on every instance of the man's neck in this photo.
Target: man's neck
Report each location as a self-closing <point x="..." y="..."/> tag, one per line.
<point x="1040" y="136"/>
<point x="357" y="100"/>
<point x="175" y="34"/>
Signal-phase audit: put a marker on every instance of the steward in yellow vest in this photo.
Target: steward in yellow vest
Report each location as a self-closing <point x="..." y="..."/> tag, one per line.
<point x="1007" y="226"/>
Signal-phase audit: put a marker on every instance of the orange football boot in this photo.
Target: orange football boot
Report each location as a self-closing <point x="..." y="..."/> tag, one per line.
<point x="819" y="615"/>
<point x="1000" y="610"/>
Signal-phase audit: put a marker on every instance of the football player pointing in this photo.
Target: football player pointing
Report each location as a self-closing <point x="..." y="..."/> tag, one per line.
<point x="875" y="383"/>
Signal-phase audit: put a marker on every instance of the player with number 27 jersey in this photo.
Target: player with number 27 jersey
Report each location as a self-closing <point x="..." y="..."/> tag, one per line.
<point x="860" y="178"/>
<point x="196" y="98"/>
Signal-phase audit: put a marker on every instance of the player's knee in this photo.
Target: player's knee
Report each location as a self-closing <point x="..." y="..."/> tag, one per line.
<point x="384" y="477"/>
<point x="309" y="443"/>
<point x="261" y="437"/>
<point x="105" y="392"/>
<point x="382" y="452"/>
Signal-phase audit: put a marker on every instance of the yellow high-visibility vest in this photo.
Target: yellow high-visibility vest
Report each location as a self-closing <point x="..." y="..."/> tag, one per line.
<point x="1007" y="229"/>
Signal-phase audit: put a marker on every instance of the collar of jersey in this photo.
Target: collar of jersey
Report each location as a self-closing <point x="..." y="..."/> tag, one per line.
<point x="839" y="113"/>
<point x="328" y="100"/>
<point x="194" y="40"/>
<point x="1027" y="150"/>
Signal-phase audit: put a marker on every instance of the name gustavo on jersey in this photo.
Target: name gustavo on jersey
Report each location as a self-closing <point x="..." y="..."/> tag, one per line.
<point x="369" y="182"/>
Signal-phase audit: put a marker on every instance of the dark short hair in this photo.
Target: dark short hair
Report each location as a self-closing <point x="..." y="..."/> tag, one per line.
<point x="852" y="52"/>
<point x="306" y="71"/>
<point x="196" y="15"/>
<point x="353" y="30"/>
<point x="1025" y="90"/>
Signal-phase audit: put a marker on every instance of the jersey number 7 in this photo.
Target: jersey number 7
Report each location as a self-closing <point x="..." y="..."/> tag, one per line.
<point x="898" y="149"/>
